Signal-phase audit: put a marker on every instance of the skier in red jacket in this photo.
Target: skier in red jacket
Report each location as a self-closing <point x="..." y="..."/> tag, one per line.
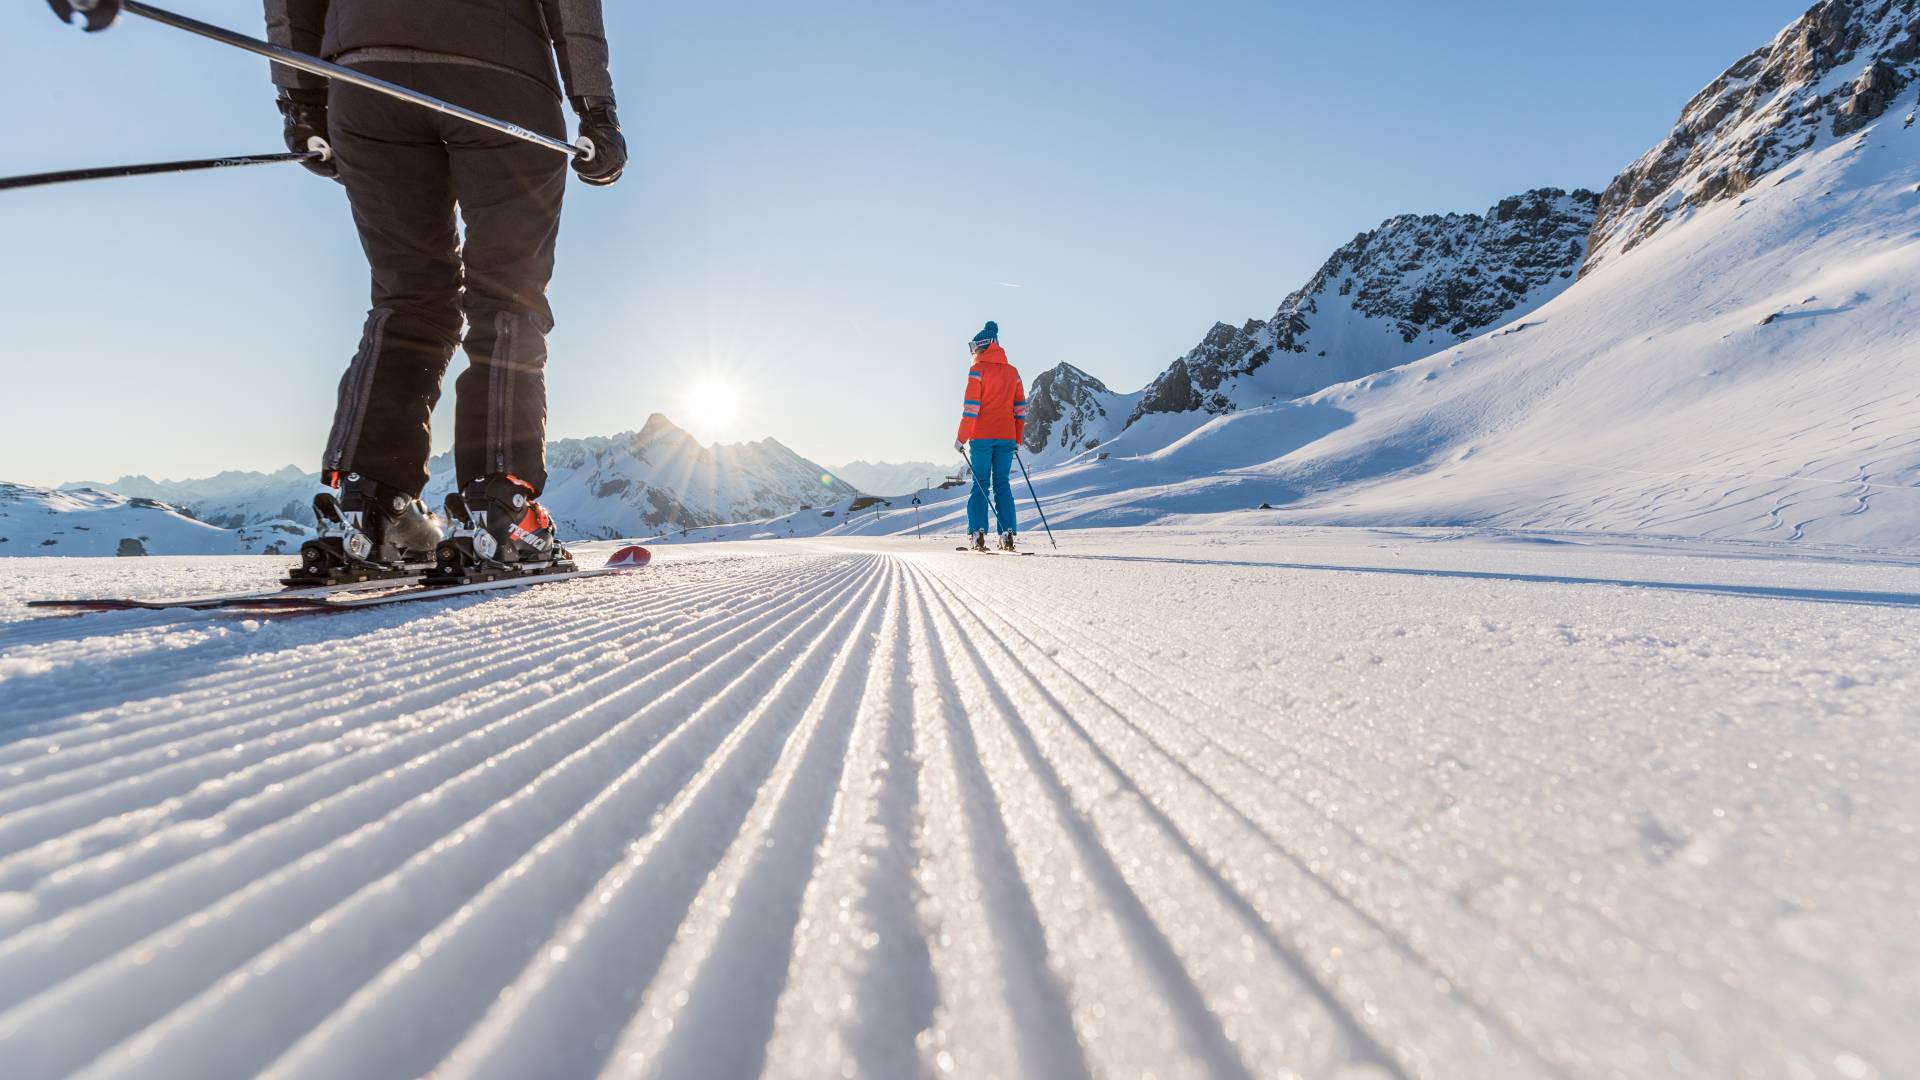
<point x="993" y="419"/>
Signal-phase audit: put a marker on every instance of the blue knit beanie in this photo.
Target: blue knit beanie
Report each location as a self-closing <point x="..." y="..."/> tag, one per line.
<point x="990" y="332"/>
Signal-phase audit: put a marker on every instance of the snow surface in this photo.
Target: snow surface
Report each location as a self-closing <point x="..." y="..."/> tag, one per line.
<point x="1176" y="802"/>
<point x="42" y="521"/>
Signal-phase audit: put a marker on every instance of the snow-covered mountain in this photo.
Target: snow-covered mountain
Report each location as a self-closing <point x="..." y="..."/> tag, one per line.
<point x="42" y="521"/>
<point x="890" y="477"/>
<point x="1069" y="411"/>
<point x="1746" y="370"/>
<point x="1405" y="290"/>
<point x="231" y="499"/>
<point x="660" y="477"/>
<point x="1836" y="69"/>
<point x="631" y="484"/>
<point x="1412" y="286"/>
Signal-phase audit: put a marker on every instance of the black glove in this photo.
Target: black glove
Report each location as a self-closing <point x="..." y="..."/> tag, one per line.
<point x="305" y="114"/>
<point x="600" y="124"/>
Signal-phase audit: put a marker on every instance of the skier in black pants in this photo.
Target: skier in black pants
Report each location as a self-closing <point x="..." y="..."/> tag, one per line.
<point x="406" y="170"/>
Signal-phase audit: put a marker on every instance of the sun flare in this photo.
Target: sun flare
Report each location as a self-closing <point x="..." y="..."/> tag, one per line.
<point x="712" y="407"/>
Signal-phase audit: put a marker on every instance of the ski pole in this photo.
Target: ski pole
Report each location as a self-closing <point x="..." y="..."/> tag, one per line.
<point x="101" y="14"/>
<point x="1036" y="501"/>
<point x="114" y="172"/>
<point x="975" y="473"/>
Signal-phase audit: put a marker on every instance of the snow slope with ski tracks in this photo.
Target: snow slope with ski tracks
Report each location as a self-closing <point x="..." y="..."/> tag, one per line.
<point x="1204" y="802"/>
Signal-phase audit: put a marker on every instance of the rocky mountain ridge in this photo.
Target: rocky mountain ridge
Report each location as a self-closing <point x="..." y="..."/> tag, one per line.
<point x="1069" y="411"/>
<point x="1419" y="284"/>
<point x="1839" y="67"/>
<point x="1414" y="285"/>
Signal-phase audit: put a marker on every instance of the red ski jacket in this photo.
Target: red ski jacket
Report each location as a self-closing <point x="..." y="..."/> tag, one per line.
<point x="996" y="401"/>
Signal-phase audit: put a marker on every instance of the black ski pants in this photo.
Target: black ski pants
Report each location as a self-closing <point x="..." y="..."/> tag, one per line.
<point x="406" y="171"/>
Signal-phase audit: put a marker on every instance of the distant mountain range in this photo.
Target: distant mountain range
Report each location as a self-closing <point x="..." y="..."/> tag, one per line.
<point x="633" y="484"/>
<point x="41" y="521"/>
<point x="892" y="478"/>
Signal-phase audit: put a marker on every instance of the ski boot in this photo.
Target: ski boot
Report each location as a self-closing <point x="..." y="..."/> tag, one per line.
<point x="369" y="532"/>
<point x="1006" y="541"/>
<point x="497" y="530"/>
<point x="979" y="541"/>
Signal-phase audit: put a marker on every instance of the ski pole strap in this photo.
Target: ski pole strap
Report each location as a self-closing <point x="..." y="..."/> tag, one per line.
<point x="114" y="172"/>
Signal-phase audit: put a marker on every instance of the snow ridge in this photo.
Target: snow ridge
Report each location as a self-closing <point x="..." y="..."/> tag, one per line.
<point x="1833" y="71"/>
<point x="1405" y="290"/>
<point x="44" y="522"/>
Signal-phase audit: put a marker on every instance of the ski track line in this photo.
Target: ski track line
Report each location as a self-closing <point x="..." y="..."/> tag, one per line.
<point x="401" y="908"/>
<point x="445" y="984"/>
<point x="711" y="1007"/>
<point x="1415" y="1044"/>
<point x="286" y="723"/>
<point x="271" y="676"/>
<point x="1500" y="792"/>
<point x="1135" y="1004"/>
<point x="1698" y="925"/>
<point x="113" y="722"/>
<point x="1675" y="985"/>
<point x="66" y="708"/>
<point x="188" y="813"/>
<point x="1672" y="985"/>
<point x="474" y="662"/>
<point x="1116" y="807"/>
<point x="176" y="895"/>
<point x="1003" y="1009"/>
<point x="276" y="802"/>
<point x="861" y="988"/>
<point x="566" y="998"/>
<point x="141" y="979"/>
<point x="523" y="692"/>
<point x="268" y="684"/>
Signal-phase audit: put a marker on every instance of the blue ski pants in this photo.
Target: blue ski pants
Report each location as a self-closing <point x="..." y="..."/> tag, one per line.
<point x="992" y="463"/>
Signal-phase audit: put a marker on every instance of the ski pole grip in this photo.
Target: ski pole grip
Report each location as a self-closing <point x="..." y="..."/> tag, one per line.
<point x="318" y="145"/>
<point x="586" y="148"/>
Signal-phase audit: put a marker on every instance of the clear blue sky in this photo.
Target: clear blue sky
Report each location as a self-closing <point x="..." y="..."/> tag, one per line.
<point x="823" y="203"/>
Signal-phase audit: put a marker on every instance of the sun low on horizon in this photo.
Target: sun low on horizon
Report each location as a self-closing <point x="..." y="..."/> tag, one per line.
<point x="713" y="407"/>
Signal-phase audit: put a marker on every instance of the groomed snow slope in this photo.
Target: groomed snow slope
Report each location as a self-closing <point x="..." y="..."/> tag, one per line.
<point x="1213" y="803"/>
<point x="1749" y="372"/>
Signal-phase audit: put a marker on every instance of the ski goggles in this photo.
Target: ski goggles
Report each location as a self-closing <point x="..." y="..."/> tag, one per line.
<point x="975" y="348"/>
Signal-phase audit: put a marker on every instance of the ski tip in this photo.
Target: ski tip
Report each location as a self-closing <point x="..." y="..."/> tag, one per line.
<point x="629" y="558"/>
